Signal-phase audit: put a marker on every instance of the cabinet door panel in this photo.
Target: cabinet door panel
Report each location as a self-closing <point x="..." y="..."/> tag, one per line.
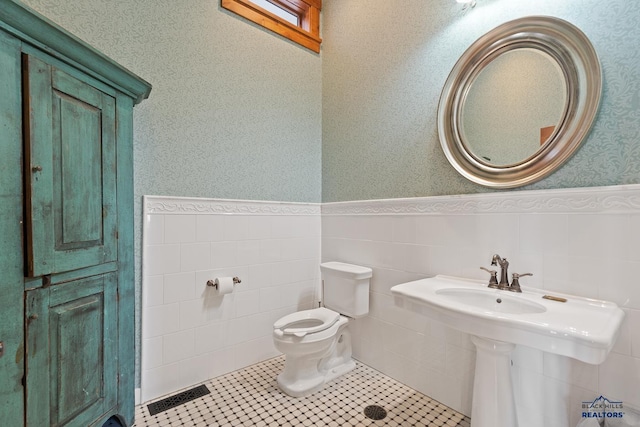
<point x="80" y="202"/>
<point x="71" y="351"/>
<point x="71" y="171"/>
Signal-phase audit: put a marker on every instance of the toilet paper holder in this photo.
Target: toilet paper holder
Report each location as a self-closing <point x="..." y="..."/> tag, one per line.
<point x="212" y="282"/>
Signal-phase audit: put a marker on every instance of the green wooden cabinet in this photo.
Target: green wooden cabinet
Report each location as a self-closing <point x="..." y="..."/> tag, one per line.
<point x="66" y="227"/>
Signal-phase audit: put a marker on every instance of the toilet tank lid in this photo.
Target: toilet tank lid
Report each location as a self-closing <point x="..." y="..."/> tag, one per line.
<point x="351" y="271"/>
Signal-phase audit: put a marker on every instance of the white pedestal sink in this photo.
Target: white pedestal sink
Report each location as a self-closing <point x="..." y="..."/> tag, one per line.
<point x="581" y="328"/>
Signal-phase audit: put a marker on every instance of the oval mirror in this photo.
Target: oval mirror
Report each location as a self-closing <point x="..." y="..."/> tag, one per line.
<point x="519" y="102"/>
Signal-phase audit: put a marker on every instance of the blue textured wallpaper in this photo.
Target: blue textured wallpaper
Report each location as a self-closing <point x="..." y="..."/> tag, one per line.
<point x="235" y="111"/>
<point x="383" y="70"/>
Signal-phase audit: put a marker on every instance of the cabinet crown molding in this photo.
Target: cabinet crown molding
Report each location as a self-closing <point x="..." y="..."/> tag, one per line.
<point x="29" y="26"/>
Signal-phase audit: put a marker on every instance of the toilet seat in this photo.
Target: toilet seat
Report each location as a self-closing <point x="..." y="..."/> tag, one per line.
<point x="306" y="322"/>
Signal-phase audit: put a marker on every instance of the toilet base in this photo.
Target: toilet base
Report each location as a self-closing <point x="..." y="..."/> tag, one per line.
<point x="300" y="388"/>
<point x="340" y="370"/>
<point x="304" y="374"/>
<point x="304" y="387"/>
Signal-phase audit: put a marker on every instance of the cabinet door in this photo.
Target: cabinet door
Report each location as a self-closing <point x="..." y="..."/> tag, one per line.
<point x="71" y="352"/>
<point x="70" y="171"/>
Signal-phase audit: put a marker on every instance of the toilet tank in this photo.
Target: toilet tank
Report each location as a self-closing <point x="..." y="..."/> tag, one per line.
<point x="346" y="288"/>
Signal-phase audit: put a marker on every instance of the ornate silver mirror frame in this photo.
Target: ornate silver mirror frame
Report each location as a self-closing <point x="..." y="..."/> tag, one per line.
<point x="578" y="62"/>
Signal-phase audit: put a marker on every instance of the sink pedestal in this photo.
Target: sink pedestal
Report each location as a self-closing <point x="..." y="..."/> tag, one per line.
<point x="493" y="403"/>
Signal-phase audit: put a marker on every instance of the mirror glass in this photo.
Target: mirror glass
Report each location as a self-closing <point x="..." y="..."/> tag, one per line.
<point x="519" y="102"/>
<point x="513" y="106"/>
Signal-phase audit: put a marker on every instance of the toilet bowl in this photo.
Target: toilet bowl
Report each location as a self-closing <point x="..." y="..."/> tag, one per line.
<point x="317" y="346"/>
<point x="316" y="343"/>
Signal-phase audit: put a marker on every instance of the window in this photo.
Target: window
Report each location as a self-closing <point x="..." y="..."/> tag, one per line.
<point x="297" y="20"/>
<point x="279" y="11"/>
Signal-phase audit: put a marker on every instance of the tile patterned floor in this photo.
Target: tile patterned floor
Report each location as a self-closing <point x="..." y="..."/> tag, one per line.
<point x="250" y="397"/>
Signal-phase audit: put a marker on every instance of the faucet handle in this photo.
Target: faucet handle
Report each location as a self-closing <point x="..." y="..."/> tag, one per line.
<point x="493" y="280"/>
<point x="515" y="283"/>
<point x="518" y="275"/>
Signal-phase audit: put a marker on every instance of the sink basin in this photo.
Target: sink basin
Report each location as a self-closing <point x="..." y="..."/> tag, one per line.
<point x="491" y="302"/>
<point x="582" y="328"/>
<point x="498" y="320"/>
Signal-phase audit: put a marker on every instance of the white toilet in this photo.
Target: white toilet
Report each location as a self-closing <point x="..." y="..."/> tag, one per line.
<point x="316" y="343"/>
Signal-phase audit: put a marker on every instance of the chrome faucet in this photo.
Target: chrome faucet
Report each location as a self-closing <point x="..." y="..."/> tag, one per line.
<point x="504" y="274"/>
<point x="504" y="267"/>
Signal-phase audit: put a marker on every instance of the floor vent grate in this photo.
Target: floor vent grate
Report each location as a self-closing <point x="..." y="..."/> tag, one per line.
<point x="177" y="399"/>
<point x="375" y="412"/>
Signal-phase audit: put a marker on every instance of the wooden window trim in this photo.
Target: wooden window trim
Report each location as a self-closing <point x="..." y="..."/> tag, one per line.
<point x="306" y="34"/>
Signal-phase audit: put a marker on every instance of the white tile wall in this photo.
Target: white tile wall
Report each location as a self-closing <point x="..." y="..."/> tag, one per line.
<point x="581" y="241"/>
<point x="189" y="332"/>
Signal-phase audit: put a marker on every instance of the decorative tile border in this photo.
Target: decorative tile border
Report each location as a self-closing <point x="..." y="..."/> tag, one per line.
<point x="614" y="199"/>
<point x="195" y="205"/>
